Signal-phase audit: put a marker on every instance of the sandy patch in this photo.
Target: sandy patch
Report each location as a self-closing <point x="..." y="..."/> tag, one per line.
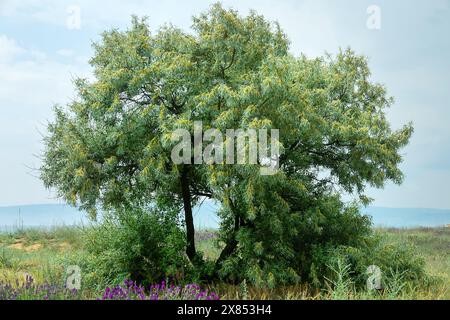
<point x="21" y="246"/>
<point x="17" y="246"/>
<point x="64" y="246"/>
<point x="34" y="247"/>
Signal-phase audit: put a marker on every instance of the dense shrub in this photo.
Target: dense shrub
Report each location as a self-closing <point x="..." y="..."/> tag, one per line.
<point x="301" y="243"/>
<point x="396" y="261"/>
<point x="279" y="246"/>
<point x="141" y="245"/>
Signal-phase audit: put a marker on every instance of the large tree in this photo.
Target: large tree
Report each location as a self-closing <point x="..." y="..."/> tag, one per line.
<point x="111" y="147"/>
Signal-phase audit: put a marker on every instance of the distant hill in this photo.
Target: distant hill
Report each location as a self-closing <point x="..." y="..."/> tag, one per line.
<point x="408" y="217"/>
<point x="48" y="215"/>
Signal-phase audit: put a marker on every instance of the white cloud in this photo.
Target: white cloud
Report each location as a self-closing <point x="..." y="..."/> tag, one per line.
<point x="8" y="49"/>
<point x="44" y="81"/>
<point x="93" y="13"/>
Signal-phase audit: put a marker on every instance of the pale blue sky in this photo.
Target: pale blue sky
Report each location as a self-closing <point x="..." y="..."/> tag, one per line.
<point x="39" y="55"/>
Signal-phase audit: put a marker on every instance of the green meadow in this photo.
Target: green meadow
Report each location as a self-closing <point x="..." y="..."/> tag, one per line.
<point x="44" y="255"/>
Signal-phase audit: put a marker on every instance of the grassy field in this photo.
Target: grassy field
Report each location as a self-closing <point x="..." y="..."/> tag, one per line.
<point x="41" y="253"/>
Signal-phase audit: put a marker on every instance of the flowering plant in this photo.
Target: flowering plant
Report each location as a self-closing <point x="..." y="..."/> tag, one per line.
<point x="29" y="290"/>
<point x="130" y="290"/>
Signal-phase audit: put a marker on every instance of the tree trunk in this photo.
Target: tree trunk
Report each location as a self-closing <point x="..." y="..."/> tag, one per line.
<point x="190" y="230"/>
<point x="226" y="252"/>
<point x="232" y="243"/>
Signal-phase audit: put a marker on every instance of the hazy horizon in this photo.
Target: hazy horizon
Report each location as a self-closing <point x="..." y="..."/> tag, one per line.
<point x="49" y="215"/>
<point x="66" y="204"/>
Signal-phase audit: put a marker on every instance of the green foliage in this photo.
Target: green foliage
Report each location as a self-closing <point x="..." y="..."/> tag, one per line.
<point x="342" y="286"/>
<point x="341" y="282"/>
<point x="111" y="147"/>
<point x="8" y="260"/>
<point x="243" y="290"/>
<point x="395" y="260"/>
<point x="142" y="245"/>
<point x="280" y="248"/>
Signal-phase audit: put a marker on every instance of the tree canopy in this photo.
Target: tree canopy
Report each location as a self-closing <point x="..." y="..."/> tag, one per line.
<point x="111" y="147"/>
